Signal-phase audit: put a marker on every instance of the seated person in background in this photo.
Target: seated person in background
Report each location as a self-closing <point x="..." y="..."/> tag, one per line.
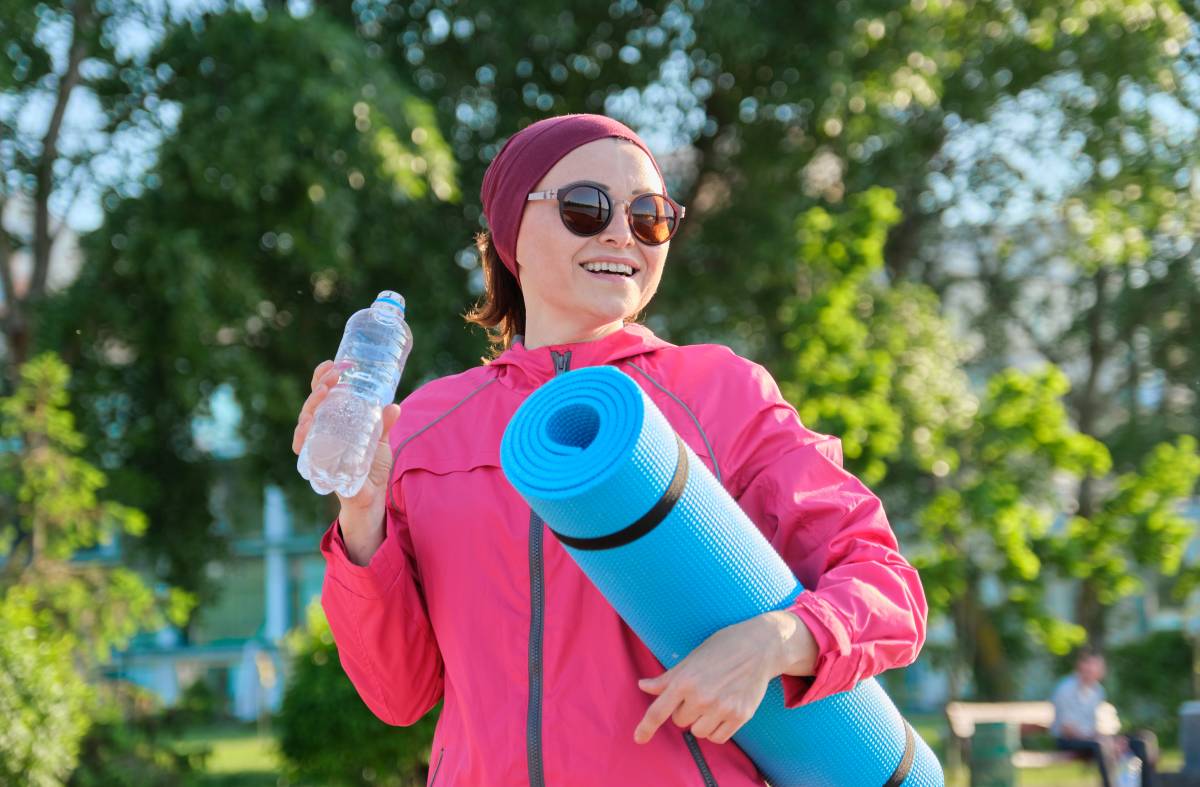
<point x="1076" y="699"/>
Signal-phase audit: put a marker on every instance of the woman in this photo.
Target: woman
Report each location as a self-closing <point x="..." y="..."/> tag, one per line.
<point x="442" y="584"/>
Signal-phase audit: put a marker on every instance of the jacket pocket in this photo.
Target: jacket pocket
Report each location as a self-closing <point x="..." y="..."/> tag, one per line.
<point x="434" y="774"/>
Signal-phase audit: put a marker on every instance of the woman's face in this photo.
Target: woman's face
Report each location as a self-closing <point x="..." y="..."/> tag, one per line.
<point x="557" y="289"/>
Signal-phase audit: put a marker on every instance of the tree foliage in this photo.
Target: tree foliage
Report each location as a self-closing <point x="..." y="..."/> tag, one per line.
<point x="302" y="177"/>
<point x="960" y="234"/>
<point x="322" y="713"/>
<point x="59" y="618"/>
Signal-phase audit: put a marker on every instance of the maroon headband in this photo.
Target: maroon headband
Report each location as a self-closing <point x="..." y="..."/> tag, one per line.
<point x="525" y="159"/>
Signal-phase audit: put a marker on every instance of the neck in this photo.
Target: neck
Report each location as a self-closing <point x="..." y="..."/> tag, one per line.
<point x="545" y="335"/>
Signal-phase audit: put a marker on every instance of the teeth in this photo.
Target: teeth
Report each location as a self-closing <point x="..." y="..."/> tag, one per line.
<point x="610" y="267"/>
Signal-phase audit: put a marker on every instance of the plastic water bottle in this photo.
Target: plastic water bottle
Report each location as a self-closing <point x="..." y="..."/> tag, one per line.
<point x="340" y="445"/>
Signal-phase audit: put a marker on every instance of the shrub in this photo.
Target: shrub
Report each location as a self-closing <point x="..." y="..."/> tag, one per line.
<point x="1153" y="678"/>
<point x="328" y="735"/>
<point x="199" y="704"/>
<point x="128" y="743"/>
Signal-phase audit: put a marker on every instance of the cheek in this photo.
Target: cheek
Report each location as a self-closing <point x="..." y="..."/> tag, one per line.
<point x="660" y="263"/>
<point x="541" y="249"/>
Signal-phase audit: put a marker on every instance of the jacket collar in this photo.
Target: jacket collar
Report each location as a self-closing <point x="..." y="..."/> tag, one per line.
<point x="517" y="365"/>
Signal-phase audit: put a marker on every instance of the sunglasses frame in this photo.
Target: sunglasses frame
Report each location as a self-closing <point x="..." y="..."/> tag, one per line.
<point x="561" y="192"/>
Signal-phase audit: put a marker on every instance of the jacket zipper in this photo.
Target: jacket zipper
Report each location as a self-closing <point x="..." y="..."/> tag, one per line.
<point x="537" y="593"/>
<point x="537" y="587"/>
<point x="437" y="767"/>
<point x="697" y="755"/>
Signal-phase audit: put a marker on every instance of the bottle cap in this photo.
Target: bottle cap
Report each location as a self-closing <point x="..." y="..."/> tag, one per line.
<point x="394" y="298"/>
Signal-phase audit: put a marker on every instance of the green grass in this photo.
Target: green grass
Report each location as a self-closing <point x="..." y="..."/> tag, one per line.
<point x="239" y="757"/>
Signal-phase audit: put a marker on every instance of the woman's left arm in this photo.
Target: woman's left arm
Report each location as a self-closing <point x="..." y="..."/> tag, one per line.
<point x="863" y="604"/>
<point x="863" y="610"/>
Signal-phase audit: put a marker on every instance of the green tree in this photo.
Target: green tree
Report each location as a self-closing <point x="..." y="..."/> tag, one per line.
<point x="302" y="178"/>
<point x="876" y="366"/>
<point x="991" y="528"/>
<point x="42" y="700"/>
<point x="56" y="54"/>
<point x="781" y="110"/>
<point x="61" y="617"/>
<point x="784" y="107"/>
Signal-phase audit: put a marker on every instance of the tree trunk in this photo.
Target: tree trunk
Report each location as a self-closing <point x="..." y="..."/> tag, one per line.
<point x="1089" y="612"/>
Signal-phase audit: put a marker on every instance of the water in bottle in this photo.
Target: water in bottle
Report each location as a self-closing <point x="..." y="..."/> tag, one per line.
<point x="340" y="445"/>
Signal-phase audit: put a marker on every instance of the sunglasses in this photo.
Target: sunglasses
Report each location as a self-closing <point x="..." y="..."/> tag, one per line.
<point x="586" y="209"/>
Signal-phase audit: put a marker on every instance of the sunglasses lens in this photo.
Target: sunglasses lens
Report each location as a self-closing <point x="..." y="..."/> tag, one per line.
<point x="585" y="210"/>
<point x="653" y="218"/>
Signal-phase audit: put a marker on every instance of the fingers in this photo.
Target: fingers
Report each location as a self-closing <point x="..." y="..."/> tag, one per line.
<point x="324" y="378"/>
<point x="706" y="725"/>
<point x="686" y="714"/>
<point x="724" y="731"/>
<point x="659" y="711"/>
<point x="319" y="372"/>
<point x="381" y="465"/>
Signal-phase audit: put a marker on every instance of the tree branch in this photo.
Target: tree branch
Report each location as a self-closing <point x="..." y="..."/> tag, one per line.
<point x="6" y="280"/>
<point x="83" y="19"/>
<point x="78" y="184"/>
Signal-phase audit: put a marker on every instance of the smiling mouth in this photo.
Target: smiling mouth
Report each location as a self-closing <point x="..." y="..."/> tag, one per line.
<point x="610" y="274"/>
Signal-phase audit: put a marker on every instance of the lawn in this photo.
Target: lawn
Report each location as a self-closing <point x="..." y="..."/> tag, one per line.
<point x="242" y="758"/>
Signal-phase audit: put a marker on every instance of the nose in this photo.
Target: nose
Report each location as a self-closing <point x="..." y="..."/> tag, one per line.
<point x="618" y="232"/>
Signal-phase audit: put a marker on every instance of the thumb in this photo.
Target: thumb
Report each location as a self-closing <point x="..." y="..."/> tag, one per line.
<point x="381" y="465"/>
<point x="390" y="414"/>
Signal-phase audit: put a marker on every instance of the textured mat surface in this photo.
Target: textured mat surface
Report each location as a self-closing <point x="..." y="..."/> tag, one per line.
<point x="594" y="457"/>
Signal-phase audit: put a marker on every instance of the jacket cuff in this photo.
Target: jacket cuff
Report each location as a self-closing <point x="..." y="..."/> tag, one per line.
<point x="369" y="581"/>
<point x="837" y="666"/>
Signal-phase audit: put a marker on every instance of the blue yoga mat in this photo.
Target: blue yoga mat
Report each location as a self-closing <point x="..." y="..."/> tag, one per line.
<point x="678" y="560"/>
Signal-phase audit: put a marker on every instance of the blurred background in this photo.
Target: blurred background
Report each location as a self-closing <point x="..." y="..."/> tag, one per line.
<point x="961" y="235"/>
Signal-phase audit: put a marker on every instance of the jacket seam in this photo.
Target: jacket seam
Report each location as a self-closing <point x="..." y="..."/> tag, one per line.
<point x="437" y="767"/>
<point x="427" y="427"/>
<point x="703" y="435"/>
<point x="348" y="588"/>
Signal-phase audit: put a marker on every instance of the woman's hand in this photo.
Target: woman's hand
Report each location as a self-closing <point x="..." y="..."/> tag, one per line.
<point x="362" y="515"/>
<point x="720" y="684"/>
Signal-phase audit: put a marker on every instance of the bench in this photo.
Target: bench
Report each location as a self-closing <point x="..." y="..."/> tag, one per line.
<point x="1031" y="717"/>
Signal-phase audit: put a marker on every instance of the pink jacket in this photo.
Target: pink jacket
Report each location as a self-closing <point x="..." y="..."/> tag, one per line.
<point x="471" y="600"/>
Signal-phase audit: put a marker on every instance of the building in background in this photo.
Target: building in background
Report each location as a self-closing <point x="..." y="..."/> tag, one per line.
<point x="236" y="644"/>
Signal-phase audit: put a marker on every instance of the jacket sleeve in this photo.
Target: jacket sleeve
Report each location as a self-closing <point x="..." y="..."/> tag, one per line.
<point x="863" y="602"/>
<point x="379" y="621"/>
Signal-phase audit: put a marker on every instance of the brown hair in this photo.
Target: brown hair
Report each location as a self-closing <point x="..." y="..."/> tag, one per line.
<point x="502" y="310"/>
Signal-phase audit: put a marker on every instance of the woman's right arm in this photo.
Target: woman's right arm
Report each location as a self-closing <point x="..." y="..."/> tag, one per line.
<point x="371" y="594"/>
<point x="379" y="622"/>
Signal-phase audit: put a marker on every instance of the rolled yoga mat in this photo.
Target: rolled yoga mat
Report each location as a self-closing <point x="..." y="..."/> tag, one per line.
<point x="678" y="560"/>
